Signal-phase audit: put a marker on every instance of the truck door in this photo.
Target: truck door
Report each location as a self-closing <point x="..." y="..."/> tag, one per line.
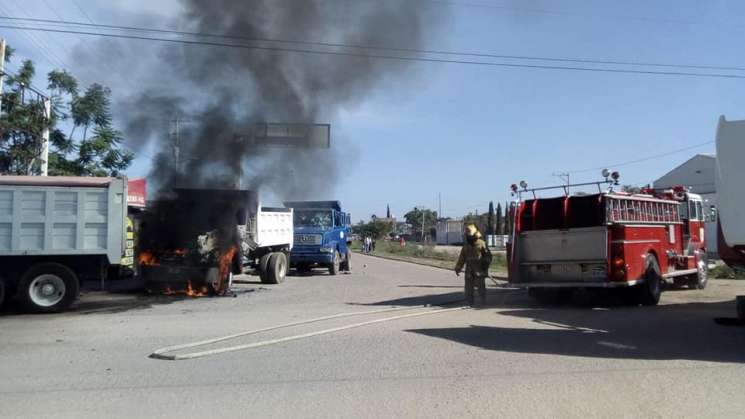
<point x="685" y="217"/>
<point x="696" y="223"/>
<point x="692" y="216"/>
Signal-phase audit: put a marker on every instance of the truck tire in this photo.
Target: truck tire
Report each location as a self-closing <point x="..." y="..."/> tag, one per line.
<point x="346" y="266"/>
<point x="702" y="272"/>
<point x="264" y="268"/>
<point x="48" y="288"/>
<point x="334" y="266"/>
<point x="648" y="293"/>
<point x="277" y="268"/>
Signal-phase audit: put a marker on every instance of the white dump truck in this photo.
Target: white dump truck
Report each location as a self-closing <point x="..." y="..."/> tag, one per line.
<point x="55" y="231"/>
<point x="730" y="172"/>
<point x="195" y="240"/>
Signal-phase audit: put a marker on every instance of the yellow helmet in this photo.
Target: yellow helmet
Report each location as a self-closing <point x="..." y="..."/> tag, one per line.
<point x="472" y="231"/>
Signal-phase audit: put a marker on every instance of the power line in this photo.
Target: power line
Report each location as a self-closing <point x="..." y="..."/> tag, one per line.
<point x="49" y="56"/>
<point x="656" y="156"/>
<point x="82" y="11"/>
<point x="381" y="56"/>
<point x="371" y="47"/>
<point x="556" y="12"/>
<point x="65" y="46"/>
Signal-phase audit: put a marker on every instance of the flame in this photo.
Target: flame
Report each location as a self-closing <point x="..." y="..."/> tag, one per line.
<point x="179" y="252"/>
<point x="147" y="258"/>
<point x="191" y="292"/>
<point x="225" y="261"/>
<point x="224" y="266"/>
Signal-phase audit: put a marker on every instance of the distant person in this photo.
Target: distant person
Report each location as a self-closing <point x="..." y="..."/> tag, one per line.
<point x="402" y="242"/>
<point x="372" y="244"/>
<point x="476" y="258"/>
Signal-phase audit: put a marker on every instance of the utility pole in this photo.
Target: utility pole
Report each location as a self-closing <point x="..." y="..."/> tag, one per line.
<point x="439" y="205"/>
<point x="2" y="71"/>
<point x="176" y="143"/>
<point x="45" y="136"/>
<point x="422" y="226"/>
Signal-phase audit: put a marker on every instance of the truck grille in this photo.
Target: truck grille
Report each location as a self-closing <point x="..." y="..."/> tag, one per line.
<point x="314" y="239"/>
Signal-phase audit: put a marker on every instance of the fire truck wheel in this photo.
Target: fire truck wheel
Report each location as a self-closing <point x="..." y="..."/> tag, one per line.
<point x="649" y="292"/>
<point x="264" y="268"/>
<point x="334" y="266"/>
<point x="277" y="268"/>
<point x="702" y="272"/>
<point x="48" y="288"/>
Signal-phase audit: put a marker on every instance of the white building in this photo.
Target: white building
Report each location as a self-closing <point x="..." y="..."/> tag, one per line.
<point x="697" y="174"/>
<point x="449" y="232"/>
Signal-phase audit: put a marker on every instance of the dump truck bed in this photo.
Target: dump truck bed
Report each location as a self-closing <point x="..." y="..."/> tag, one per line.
<point x="62" y="216"/>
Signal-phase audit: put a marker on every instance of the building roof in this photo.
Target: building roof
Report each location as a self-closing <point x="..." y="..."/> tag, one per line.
<point x="68" y="181"/>
<point x="697" y="173"/>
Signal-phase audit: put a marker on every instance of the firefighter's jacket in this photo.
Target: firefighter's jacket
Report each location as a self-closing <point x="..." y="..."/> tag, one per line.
<point x="476" y="258"/>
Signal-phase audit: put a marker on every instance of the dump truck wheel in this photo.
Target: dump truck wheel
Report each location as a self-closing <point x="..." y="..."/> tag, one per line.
<point x="48" y="288"/>
<point x="346" y="266"/>
<point x="649" y="292"/>
<point x="334" y="267"/>
<point x="277" y="268"/>
<point x="264" y="268"/>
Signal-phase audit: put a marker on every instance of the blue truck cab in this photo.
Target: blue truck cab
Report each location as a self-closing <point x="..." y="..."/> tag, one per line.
<point x="322" y="232"/>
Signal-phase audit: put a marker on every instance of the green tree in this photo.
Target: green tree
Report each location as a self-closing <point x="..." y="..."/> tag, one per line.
<point x="490" y="221"/>
<point x="376" y="229"/>
<point x="96" y="150"/>
<point x="631" y="189"/>
<point x="500" y="220"/>
<point x="418" y="216"/>
<point x="21" y="124"/>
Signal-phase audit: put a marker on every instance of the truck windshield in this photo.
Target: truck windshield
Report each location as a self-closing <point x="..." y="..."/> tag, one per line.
<point x="314" y="218"/>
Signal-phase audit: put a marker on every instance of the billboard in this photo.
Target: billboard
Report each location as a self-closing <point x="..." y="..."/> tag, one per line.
<point x="136" y="193"/>
<point x="290" y="135"/>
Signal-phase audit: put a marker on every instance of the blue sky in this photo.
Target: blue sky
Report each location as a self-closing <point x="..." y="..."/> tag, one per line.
<point x="468" y="132"/>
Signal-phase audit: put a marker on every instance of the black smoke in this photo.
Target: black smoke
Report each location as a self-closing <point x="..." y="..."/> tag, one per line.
<point x="221" y="93"/>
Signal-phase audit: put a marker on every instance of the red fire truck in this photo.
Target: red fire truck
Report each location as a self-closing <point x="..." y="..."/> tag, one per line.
<point x="607" y="239"/>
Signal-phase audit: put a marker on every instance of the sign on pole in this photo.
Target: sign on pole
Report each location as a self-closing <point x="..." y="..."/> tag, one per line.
<point x="290" y="135"/>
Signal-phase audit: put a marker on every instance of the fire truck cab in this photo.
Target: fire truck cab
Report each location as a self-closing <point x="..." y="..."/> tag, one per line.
<point x="608" y="239"/>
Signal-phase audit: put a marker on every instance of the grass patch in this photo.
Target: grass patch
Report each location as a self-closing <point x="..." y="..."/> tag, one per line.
<point x="725" y="272"/>
<point x="427" y="255"/>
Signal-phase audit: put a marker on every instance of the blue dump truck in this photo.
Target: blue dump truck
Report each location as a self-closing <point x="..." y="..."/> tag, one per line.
<point x="321" y="236"/>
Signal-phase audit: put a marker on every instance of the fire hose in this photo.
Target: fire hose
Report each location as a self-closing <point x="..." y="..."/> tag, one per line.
<point x="166" y="353"/>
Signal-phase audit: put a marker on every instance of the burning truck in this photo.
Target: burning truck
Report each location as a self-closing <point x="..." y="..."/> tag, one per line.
<point x="195" y="240"/>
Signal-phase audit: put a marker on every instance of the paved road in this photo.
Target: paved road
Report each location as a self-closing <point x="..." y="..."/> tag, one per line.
<point x="512" y="358"/>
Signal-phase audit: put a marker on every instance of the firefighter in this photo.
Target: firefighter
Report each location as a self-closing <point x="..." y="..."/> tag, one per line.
<point x="476" y="257"/>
